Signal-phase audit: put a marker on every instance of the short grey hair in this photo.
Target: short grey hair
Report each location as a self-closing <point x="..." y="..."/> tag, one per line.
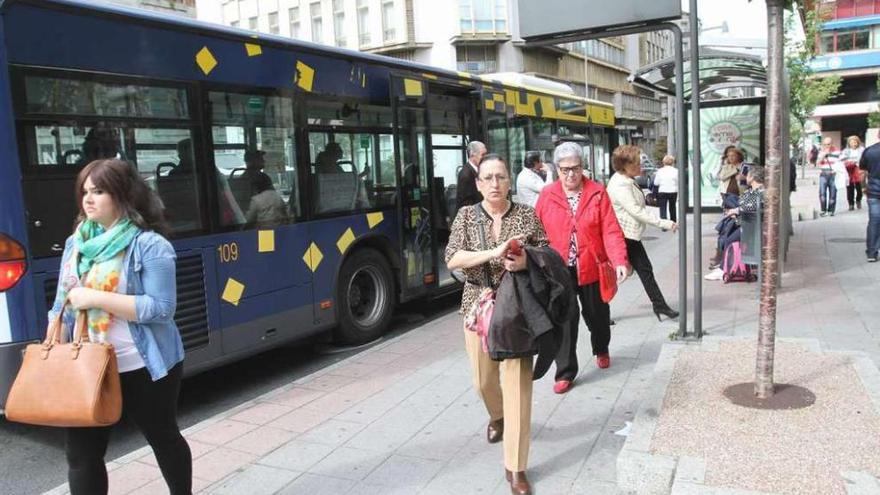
<point x="756" y="172"/>
<point x="475" y="147"/>
<point x="566" y="150"/>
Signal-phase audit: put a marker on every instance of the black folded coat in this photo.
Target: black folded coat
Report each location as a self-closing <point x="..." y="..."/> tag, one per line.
<point x="532" y="307"/>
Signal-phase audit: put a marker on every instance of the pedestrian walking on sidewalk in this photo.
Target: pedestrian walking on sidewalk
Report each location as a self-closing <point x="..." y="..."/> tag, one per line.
<point x="666" y="182"/>
<point x="580" y="223"/>
<point x="628" y="201"/>
<point x="828" y="156"/>
<point x="479" y="245"/>
<point x="850" y="158"/>
<point x="119" y="267"/>
<point x="869" y="163"/>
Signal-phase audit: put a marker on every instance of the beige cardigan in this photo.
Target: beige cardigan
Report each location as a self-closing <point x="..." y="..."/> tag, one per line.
<point x="629" y="206"/>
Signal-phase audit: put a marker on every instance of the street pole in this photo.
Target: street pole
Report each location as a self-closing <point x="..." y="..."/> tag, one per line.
<point x="697" y="162"/>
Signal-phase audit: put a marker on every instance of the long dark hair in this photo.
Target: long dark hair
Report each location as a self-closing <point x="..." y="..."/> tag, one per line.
<point x="133" y="197"/>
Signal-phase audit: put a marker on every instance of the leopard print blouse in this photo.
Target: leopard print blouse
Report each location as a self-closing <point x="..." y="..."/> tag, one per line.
<point x="519" y="220"/>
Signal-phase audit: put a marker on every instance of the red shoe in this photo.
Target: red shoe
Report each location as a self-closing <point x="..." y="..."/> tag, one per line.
<point x="603" y="360"/>
<point x="562" y="386"/>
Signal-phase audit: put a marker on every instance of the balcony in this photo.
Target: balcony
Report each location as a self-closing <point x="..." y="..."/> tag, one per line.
<point x="634" y="107"/>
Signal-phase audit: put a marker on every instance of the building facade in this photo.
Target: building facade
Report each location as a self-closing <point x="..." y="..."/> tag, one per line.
<point x="179" y="7"/>
<point x="475" y="36"/>
<point x="848" y="45"/>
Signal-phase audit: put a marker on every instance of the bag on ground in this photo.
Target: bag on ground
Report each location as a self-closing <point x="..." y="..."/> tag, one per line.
<point x="734" y="268"/>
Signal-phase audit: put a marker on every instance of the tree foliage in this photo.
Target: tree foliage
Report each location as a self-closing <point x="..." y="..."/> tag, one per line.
<point x="806" y="91"/>
<point x="874" y="117"/>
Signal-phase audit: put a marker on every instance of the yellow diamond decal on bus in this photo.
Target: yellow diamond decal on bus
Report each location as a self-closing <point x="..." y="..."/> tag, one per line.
<point x="313" y="257"/>
<point x="266" y="241"/>
<point x="206" y="61"/>
<point x="345" y="240"/>
<point x="305" y="76"/>
<point x="253" y="50"/>
<point x="233" y="291"/>
<point x="374" y="219"/>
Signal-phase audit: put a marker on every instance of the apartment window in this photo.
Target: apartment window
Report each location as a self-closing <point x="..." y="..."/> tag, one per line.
<point x="483" y="16"/>
<point x="363" y="18"/>
<point x="388" y="33"/>
<point x="317" y="22"/>
<point x="844" y="41"/>
<point x="273" y="23"/>
<point x="599" y="50"/>
<point x="339" y="23"/>
<point x="293" y="15"/>
<point x="252" y="23"/>
<point x="477" y="59"/>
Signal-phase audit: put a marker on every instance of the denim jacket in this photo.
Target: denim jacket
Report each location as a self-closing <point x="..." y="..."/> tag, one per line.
<point x="151" y="278"/>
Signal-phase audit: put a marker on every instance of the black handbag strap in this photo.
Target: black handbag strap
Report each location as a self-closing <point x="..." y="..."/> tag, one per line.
<point x="481" y="229"/>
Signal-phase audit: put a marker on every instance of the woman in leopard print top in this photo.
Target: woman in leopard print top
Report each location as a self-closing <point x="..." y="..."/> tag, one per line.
<point x="508" y="394"/>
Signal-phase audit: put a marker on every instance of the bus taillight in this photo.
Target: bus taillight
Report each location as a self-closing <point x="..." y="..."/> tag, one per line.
<point x="13" y="262"/>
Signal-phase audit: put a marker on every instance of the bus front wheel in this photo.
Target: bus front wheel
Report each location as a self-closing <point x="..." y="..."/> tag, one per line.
<point x="365" y="297"/>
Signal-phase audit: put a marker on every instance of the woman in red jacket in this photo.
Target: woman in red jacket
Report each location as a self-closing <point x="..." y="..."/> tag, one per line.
<point x="581" y="226"/>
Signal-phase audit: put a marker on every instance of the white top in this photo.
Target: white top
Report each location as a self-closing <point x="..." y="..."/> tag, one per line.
<point x="119" y="334"/>
<point x="528" y="186"/>
<point x="666" y="179"/>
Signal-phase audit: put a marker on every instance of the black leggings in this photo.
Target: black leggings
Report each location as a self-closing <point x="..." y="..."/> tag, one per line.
<point x="153" y="408"/>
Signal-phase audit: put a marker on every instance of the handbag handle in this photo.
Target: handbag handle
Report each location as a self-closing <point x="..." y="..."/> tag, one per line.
<point x="483" y="244"/>
<point x="55" y="335"/>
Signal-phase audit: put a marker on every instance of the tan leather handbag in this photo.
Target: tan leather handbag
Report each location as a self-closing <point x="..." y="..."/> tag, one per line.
<point x="66" y="384"/>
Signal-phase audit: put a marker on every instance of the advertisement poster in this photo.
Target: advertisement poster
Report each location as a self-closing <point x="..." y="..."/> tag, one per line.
<point x="721" y="127"/>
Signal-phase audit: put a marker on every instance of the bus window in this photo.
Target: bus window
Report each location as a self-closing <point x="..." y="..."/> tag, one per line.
<point x="254" y="153"/>
<point x="516" y="137"/>
<point x="352" y="171"/>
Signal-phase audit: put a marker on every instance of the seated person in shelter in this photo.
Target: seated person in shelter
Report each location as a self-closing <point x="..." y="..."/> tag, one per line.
<point x="266" y="207"/>
<point x="102" y="141"/>
<point x="729" y="230"/>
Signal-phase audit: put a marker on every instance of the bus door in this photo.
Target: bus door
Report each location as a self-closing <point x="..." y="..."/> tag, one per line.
<point x="451" y="116"/>
<point x="408" y="98"/>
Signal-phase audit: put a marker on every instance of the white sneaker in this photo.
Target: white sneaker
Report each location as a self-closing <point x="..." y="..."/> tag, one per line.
<point x="716" y="274"/>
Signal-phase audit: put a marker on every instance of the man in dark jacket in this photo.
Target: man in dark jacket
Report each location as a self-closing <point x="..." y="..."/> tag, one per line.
<point x="532" y="307"/>
<point x="466" y="192"/>
<point x="870" y="163"/>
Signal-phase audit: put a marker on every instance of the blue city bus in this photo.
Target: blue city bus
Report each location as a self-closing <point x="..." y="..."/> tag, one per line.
<point x="356" y="156"/>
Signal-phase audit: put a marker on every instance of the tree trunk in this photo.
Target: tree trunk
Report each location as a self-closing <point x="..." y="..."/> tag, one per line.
<point x="770" y="249"/>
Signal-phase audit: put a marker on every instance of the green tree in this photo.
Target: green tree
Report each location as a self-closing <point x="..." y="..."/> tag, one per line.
<point x="806" y="91"/>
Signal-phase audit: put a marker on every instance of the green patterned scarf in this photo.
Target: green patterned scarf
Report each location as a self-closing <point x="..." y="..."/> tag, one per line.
<point x="96" y="245"/>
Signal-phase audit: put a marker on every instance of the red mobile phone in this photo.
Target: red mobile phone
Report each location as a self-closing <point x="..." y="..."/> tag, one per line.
<point x="515" y="247"/>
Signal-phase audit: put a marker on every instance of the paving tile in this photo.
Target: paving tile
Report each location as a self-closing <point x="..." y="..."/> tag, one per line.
<point x="402" y="471"/>
<point x="297" y="456"/>
<point x="348" y="463"/>
<point x="158" y="487"/>
<point x="300" y="420"/>
<point x="326" y="383"/>
<point x="295" y="397"/>
<point x="333" y="403"/>
<point x="219" y="463"/>
<point x="314" y="484"/>
<point x="255" y="480"/>
<point x="221" y="432"/>
<point x="197" y="449"/>
<point x="332" y="432"/>
<point x="261" y="413"/>
<point x="377" y="357"/>
<point x="261" y="441"/>
<point x="131" y="476"/>
<point x="586" y="486"/>
<point x="354" y="369"/>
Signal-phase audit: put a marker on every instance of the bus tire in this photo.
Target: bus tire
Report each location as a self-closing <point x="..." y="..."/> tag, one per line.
<point x="365" y="297"/>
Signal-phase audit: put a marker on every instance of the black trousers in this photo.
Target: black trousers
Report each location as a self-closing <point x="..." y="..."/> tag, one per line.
<point x="153" y="408"/>
<point x="597" y="316"/>
<point x="638" y="258"/>
<point x="667" y="200"/>
<point x="853" y="194"/>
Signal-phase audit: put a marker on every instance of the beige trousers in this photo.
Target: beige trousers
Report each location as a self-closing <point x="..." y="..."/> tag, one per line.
<point x="506" y="390"/>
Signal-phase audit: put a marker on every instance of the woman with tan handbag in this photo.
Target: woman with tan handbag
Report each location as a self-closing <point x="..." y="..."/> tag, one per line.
<point x="481" y="245"/>
<point x="119" y="269"/>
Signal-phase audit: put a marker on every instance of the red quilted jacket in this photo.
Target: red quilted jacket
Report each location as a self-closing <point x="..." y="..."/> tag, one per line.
<point x="597" y="227"/>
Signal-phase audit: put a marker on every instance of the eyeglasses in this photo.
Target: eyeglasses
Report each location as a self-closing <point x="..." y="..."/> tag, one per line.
<point x="495" y="178"/>
<point x="570" y="170"/>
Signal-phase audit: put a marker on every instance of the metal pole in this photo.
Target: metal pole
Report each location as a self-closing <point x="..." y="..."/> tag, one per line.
<point x="681" y="151"/>
<point x="697" y="167"/>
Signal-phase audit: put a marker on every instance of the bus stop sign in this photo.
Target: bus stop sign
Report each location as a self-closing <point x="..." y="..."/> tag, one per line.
<point x="549" y="19"/>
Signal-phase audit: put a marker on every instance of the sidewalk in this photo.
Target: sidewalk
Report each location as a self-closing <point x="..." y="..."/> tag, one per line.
<point x="402" y="418"/>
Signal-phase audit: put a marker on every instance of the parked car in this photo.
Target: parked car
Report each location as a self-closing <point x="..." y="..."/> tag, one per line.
<point x="648" y="169"/>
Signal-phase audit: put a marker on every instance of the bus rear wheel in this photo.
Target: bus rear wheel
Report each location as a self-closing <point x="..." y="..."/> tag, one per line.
<point x="365" y="297"/>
